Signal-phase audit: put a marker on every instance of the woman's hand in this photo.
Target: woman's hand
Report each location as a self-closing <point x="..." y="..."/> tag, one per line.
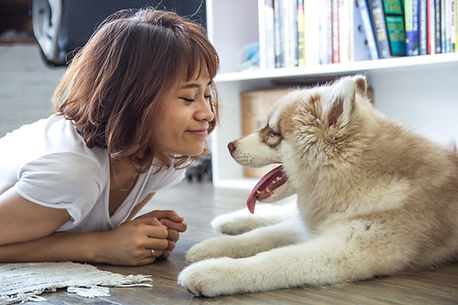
<point x="138" y="242"/>
<point x="175" y="225"/>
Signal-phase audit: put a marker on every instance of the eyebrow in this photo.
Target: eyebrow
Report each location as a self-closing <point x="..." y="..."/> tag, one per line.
<point x="194" y="85"/>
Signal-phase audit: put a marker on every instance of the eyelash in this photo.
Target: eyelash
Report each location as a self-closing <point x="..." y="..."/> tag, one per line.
<point x="192" y="100"/>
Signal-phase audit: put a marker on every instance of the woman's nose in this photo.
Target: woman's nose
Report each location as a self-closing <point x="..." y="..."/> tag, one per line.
<point x="205" y="111"/>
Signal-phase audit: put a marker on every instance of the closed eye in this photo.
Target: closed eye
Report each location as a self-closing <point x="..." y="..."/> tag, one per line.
<point x="189" y="100"/>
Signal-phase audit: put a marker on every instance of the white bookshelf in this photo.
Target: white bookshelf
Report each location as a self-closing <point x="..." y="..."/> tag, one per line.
<point x="421" y="92"/>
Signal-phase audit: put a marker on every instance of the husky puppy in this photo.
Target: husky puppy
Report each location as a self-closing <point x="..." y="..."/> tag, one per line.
<point x="372" y="199"/>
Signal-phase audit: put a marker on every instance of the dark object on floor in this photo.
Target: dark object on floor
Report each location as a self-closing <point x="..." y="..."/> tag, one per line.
<point x="201" y="169"/>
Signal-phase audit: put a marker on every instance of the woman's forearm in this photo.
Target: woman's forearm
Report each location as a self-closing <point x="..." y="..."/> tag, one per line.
<point x="85" y="247"/>
<point x="137" y="242"/>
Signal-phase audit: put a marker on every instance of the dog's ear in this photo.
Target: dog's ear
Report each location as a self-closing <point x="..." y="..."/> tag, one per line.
<point x="343" y="98"/>
<point x="361" y="85"/>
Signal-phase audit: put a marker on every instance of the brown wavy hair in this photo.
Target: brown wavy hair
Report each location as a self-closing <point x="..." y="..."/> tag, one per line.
<point x="112" y="86"/>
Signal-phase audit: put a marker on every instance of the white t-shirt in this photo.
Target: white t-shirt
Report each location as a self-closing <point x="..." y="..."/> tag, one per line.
<point x="48" y="163"/>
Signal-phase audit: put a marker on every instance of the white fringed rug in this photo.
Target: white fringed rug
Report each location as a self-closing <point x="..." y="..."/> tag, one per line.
<point x="20" y="282"/>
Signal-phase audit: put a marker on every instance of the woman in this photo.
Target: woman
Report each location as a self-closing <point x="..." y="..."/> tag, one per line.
<point x="132" y="112"/>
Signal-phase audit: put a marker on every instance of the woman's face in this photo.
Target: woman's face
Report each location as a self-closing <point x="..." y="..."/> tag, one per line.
<point x="184" y="116"/>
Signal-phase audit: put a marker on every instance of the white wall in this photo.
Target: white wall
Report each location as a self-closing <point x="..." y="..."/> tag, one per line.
<point x="424" y="99"/>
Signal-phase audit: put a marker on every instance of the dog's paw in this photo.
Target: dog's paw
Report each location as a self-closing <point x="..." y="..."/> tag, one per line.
<point x="211" y="278"/>
<point x="241" y="221"/>
<point x="210" y="248"/>
<point x="232" y="223"/>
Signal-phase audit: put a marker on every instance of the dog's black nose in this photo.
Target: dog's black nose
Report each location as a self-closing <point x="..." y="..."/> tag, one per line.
<point x="231" y="147"/>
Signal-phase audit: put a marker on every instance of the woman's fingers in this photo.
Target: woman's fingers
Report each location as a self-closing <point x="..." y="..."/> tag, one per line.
<point x="160" y="236"/>
<point x="173" y="235"/>
<point x="147" y="220"/>
<point x="153" y="253"/>
<point x="177" y="226"/>
<point x="165" y="214"/>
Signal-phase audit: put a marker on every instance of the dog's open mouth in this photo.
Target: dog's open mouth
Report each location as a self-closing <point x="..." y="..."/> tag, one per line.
<point x="266" y="186"/>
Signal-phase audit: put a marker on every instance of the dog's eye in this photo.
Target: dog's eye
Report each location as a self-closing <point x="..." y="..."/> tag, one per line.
<point x="273" y="134"/>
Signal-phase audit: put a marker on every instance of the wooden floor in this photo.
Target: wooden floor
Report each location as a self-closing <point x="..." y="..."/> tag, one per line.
<point x="198" y="203"/>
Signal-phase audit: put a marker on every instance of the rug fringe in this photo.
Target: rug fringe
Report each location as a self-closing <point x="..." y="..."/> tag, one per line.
<point x="24" y="282"/>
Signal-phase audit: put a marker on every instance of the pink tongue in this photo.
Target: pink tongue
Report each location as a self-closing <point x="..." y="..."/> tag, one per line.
<point x="262" y="184"/>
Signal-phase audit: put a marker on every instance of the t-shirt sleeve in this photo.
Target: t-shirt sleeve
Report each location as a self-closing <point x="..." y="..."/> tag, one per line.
<point x="64" y="181"/>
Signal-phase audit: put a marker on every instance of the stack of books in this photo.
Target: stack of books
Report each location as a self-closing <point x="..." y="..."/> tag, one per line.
<point x="296" y="33"/>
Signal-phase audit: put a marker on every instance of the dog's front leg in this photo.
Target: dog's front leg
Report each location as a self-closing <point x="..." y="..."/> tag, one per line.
<point x="242" y="221"/>
<point x="250" y="243"/>
<point x="328" y="259"/>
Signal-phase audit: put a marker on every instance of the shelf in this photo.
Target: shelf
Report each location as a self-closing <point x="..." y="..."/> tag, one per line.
<point x="339" y="69"/>
<point x="420" y="91"/>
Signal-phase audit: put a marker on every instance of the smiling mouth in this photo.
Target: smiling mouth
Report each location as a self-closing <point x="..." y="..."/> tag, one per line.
<point x="200" y="133"/>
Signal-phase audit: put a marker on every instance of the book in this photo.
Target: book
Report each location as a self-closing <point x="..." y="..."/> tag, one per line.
<point x="285" y="33"/>
<point x="422" y="27"/>
<point x="394" y="21"/>
<point x="324" y="32"/>
<point x="266" y="35"/>
<point x="290" y="28"/>
<point x="447" y="47"/>
<point x="368" y="30"/>
<point x="453" y="15"/>
<point x="437" y="27"/>
<point x="430" y="19"/>
<point x="443" y="27"/>
<point x="345" y="30"/>
<point x="411" y="26"/>
<point x="379" y="26"/>
<point x="335" y="31"/>
<point x="301" y="62"/>
<point x="312" y="35"/>
<point x="456" y="27"/>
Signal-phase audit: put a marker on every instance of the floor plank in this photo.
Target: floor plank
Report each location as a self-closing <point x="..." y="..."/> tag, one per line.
<point x="198" y="203"/>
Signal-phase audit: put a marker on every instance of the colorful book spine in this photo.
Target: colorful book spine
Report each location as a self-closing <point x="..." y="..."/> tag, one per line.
<point x="453" y="25"/>
<point x="365" y="19"/>
<point x="448" y="40"/>
<point x="335" y="32"/>
<point x="290" y="27"/>
<point x="411" y="24"/>
<point x="345" y="29"/>
<point x="430" y="24"/>
<point x="300" y="34"/>
<point x="378" y="23"/>
<point x="279" y="37"/>
<point x="443" y="27"/>
<point x="437" y="26"/>
<point x="266" y="39"/>
<point x="324" y="32"/>
<point x="422" y="27"/>
<point x="394" y="20"/>
<point x="456" y="27"/>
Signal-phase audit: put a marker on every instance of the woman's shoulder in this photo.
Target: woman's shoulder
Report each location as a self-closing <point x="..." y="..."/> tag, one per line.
<point x="53" y="137"/>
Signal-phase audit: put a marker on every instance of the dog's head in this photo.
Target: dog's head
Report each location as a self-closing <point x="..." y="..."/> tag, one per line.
<point x="307" y="129"/>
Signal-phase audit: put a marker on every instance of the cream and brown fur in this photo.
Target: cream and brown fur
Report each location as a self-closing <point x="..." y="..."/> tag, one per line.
<point x="373" y="198"/>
